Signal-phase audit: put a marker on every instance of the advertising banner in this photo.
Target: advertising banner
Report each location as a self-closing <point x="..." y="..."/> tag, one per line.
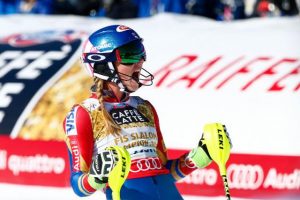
<point x="33" y="162"/>
<point x="245" y="74"/>
<point x="249" y="176"/>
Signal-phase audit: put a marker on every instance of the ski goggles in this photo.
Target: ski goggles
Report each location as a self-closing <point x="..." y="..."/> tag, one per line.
<point x="131" y="53"/>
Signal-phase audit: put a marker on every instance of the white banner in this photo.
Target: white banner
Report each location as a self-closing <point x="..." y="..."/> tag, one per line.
<point x="245" y="74"/>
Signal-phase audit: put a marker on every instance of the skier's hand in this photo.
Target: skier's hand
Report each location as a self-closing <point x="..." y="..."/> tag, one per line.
<point x="100" y="168"/>
<point x="200" y="155"/>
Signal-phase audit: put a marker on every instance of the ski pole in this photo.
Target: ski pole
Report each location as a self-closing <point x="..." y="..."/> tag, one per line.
<point x="218" y="145"/>
<point x="120" y="172"/>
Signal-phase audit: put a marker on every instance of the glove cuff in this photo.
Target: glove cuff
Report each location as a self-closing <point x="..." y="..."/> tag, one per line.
<point x="94" y="183"/>
<point x="199" y="157"/>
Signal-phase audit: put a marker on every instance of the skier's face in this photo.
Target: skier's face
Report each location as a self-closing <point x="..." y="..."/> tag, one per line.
<point x="129" y="74"/>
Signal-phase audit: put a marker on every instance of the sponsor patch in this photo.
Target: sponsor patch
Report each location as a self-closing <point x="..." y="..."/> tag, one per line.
<point x="70" y="122"/>
<point x="127" y="115"/>
<point x="122" y="28"/>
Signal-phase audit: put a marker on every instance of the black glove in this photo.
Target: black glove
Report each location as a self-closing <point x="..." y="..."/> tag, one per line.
<point x="102" y="164"/>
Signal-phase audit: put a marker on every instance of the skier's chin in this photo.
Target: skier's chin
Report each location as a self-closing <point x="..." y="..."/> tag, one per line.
<point x="133" y="86"/>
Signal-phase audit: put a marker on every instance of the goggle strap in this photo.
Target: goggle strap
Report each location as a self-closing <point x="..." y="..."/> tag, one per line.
<point x="101" y="76"/>
<point x="118" y="57"/>
<point x="111" y="66"/>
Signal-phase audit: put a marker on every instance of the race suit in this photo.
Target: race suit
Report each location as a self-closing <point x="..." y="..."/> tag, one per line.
<point x="151" y="176"/>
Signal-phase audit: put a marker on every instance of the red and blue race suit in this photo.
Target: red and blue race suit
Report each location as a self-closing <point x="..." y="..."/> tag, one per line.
<point x="151" y="176"/>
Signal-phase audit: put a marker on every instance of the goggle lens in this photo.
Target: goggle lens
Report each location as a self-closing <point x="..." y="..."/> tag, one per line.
<point x="132" y="52"/>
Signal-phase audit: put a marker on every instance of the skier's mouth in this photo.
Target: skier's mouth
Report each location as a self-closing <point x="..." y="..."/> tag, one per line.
<point x="135" y="76"/>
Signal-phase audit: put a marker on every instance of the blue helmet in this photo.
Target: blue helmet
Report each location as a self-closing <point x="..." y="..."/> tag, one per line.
<point x="109" y="44"/>
<point x="112" y="43"/>
<point x="111" y="37"/>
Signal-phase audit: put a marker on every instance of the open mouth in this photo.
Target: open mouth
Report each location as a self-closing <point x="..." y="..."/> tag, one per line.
<point x="136" y="76"/>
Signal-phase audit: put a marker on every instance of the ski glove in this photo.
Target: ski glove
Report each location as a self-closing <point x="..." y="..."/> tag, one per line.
<point x="200" y="155"/>
<point x="100" y="168"/>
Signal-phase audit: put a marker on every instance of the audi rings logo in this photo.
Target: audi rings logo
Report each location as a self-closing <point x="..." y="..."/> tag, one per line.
<point x="245" y="176"/>
<point x="145" y="164"/>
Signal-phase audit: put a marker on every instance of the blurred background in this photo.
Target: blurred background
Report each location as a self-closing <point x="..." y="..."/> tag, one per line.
<point x="221" y="10"/>
<point x="230" y="61"/>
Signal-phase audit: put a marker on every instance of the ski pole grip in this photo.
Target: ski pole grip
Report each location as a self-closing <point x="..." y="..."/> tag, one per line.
<point x="120" y="172"/>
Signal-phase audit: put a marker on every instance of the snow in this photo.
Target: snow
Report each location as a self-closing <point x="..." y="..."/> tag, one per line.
<point x="22" y="192"/>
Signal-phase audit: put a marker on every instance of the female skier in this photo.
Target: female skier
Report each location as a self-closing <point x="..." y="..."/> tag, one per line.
<point x="114" y="57"/>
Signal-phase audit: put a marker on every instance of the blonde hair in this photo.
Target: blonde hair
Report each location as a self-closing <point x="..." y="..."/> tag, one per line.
<point x="110" y="127"/>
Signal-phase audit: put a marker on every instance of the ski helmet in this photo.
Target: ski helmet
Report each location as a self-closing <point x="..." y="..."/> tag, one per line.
<point x="109" y="44"/>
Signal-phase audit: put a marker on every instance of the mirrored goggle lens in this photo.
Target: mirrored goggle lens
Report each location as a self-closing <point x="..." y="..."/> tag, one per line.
<point x="132" y="52"/>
